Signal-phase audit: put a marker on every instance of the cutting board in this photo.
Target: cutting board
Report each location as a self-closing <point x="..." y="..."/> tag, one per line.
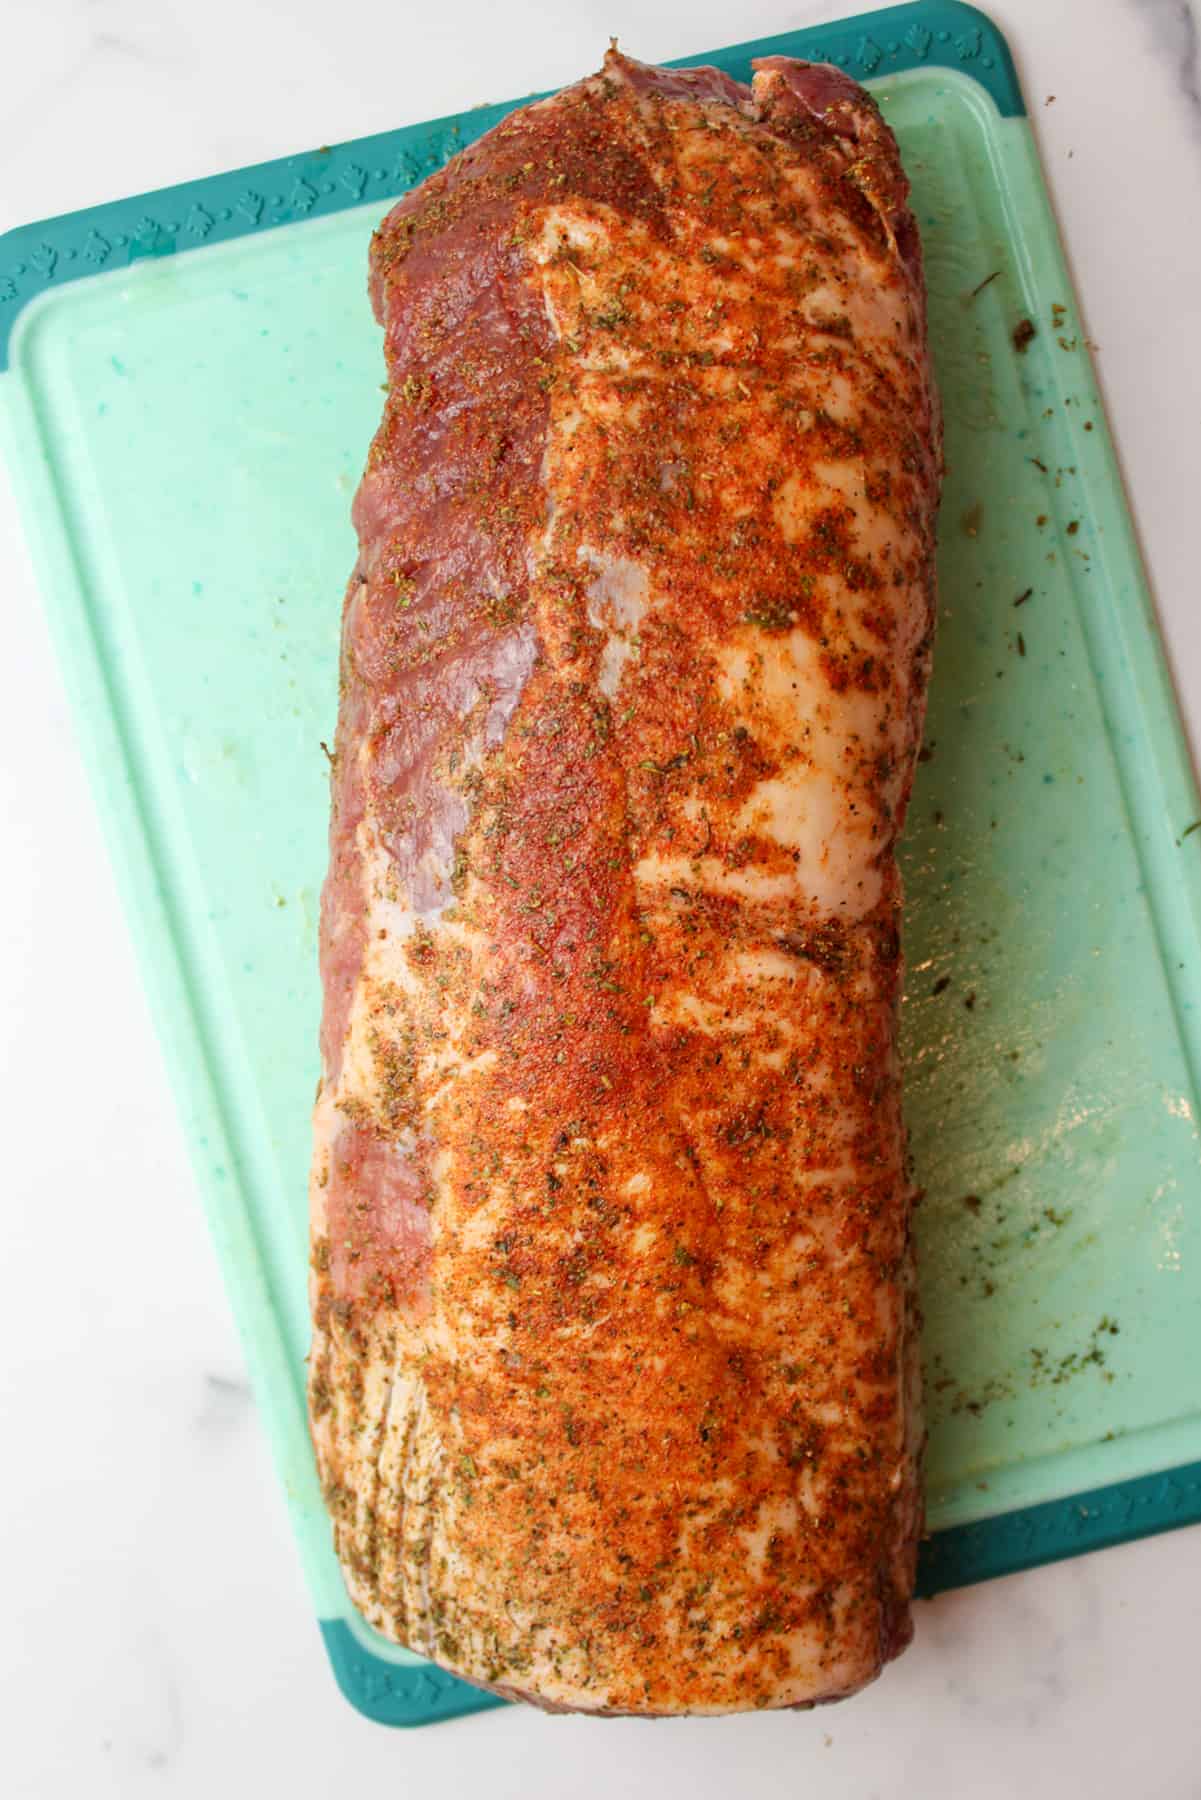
<point x="190" y="382"/>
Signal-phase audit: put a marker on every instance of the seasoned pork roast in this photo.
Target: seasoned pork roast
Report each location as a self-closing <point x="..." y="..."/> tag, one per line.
<point x="614" y="1374"/>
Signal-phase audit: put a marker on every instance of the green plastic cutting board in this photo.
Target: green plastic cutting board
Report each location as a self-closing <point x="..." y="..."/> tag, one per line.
<point x="192" y="382"/>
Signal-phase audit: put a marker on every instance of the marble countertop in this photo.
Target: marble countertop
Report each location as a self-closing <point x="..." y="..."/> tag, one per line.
<point x="159" y="1639"/>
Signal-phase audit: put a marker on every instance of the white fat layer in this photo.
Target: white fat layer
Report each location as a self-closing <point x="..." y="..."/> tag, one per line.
<point x="815" y="808"/>
<point x="804" y="493"/>
<point x="618" y="598"/>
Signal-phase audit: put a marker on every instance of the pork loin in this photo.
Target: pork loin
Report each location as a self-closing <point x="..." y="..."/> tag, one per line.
<point x="614" y="1379"/>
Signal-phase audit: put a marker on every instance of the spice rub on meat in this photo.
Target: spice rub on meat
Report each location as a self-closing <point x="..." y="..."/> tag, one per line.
<point x="614" y="1382"/>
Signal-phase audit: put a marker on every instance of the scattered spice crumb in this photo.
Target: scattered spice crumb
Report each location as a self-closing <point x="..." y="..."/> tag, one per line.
<point x="981" y="285"/>
<point x="1022" y="598"/>
<point x="1041" y="520"/>
<point x="1189" y="829"/>
<point x="926" y="753"/>
<point x="969" y="1000"/>
<point x="1048" y="100"/>
<point x="941" y="985"/>
<point x="972" y="1202"/>
<point x="1040" y="464"/>
<point x="1023" y="332"/>
<point x="1073" y="528"/>
<point x="1021" y="645"/>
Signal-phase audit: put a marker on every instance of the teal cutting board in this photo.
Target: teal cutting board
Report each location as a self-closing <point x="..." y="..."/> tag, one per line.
<point x="191" y="379"/>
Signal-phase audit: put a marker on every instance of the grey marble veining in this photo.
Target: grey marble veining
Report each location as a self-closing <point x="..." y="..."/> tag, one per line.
<point x="225" y="1406"/>
<point x="1172" y="29"/>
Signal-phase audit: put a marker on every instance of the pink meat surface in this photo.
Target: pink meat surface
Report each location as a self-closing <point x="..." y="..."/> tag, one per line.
<point x="614" y="1378"/>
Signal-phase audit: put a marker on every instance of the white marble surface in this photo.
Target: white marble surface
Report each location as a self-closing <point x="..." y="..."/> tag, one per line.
<point x="157" y="1637"/>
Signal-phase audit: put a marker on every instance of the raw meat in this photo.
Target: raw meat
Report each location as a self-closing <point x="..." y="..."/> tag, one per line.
<point x="614" y="1375"/>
